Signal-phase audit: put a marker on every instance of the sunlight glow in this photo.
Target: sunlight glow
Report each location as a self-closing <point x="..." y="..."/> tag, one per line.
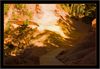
<point x="47" y="20"/>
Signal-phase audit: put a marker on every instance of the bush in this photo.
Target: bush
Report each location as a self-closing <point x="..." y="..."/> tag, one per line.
<point x="80" y="10"/>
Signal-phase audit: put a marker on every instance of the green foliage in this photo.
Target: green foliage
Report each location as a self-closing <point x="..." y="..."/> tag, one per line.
<point x="29" y="14"/>
<point x="20" y="38"/>
<point x="24" y="26"/>
<point x="20" y="6"/>
<point x="79" y="10"/>
<point x="26" y="22"/>
<point x="90" y="8"/>
<point x="8" y="27"/>
<point x="57" y="40"/>
<point x="15" y="17"/>
<point x="6" y="8"/>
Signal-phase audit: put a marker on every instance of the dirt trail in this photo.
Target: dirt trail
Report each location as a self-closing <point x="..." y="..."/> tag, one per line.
<point x="50" y="57"/>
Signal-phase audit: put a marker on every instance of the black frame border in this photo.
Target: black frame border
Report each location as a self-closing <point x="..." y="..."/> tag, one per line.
<point x="48" y="2"/>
